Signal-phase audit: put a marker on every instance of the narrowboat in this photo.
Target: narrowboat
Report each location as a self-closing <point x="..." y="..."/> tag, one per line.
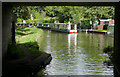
<point x="25" y="24"/>
<point x="44" y="25"/>
<point x="64" y="27"/>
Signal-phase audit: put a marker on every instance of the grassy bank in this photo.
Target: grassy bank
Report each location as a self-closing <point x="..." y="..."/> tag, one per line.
<point x="101" y="30"/>
<point x="26" y="36"/>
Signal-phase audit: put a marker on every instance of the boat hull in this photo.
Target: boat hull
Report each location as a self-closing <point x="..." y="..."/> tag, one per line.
<point x="43" y="27"/>
<point x="64" y="30"/>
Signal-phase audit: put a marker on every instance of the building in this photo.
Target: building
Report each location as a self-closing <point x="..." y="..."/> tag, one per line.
<point x="104" y="23"/>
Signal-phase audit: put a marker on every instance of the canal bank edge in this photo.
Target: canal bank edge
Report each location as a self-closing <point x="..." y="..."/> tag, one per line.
<point x="27" y="66"/>
<point x="94" y="31"/>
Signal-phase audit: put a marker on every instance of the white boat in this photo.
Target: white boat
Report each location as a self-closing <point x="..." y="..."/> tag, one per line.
<point x="44" y="25"/>
<point x="64" y="27"/>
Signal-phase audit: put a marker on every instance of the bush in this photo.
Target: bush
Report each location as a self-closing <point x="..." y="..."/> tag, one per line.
<point x="19" y="20"/>
<point x="85" y="24"/>
<point x="41" y="21"/>
<point x="46" y="21"/>
<point x="35" y="21"/>
<point x="108" y="49"/>
<point x="29" y="21"/>
<point x="51" y="20"/>
<point x="65" y="22"/>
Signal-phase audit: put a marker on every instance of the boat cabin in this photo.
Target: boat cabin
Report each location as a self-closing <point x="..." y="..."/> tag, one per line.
<point x="44" y="25"/>
<point x="64" y="27"/>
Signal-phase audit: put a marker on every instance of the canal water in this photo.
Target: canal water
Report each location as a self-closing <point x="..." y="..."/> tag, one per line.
<point x="76" y="54"/>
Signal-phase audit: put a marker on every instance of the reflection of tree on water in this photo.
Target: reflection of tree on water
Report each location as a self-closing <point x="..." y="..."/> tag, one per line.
<point x="76" y="54"/>
<point x="108" y="64"/>
<point x="93" y="45"/>
<point x="72" y="42"/>
<point x="109" y="50"/>
<point x="42" y="41"/>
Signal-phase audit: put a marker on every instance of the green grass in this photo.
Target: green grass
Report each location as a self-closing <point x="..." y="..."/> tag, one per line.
<point x="20" y="31"/>
<point x="29" y="39"/>
<point x="100" y="30"/>
<point x="31" y="34"/>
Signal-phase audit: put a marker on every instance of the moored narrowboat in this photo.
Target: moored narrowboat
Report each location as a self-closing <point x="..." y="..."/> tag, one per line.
<point x="64" y="27"/>
<point x="44" y="25"/>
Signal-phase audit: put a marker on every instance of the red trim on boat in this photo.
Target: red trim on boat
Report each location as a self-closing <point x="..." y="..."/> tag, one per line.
<point x="70" y="32"/>
<point x="75" y="32"/>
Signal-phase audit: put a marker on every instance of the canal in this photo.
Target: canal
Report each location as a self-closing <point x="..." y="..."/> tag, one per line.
<point x="76" y="54"/>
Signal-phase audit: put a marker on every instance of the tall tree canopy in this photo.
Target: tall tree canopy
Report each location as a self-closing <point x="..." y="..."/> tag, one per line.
<point x="65" y="13"/>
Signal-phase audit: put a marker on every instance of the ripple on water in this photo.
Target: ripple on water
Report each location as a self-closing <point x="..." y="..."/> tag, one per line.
<point x="76" y="55"/>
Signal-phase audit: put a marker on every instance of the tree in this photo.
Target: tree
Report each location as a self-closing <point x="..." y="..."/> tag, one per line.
<point x="65" y="13"/>
<point x="99" y="12"/>
<point x="22" y="12"/>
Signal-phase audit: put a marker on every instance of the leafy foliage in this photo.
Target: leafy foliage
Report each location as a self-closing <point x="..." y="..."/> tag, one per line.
<point x="99" y="12"/>
<point x="22" y="12"/>
<point x="77" y="13"/>
<point x="108" y="49"/>
<point x="63" y="13"/>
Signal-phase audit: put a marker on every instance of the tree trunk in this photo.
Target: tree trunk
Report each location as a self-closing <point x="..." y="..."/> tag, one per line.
<point x="13" y="32"/>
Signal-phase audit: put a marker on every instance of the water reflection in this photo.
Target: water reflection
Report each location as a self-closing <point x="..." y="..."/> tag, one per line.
<point x="76" y="54"/>
<point x="72" y="42"/>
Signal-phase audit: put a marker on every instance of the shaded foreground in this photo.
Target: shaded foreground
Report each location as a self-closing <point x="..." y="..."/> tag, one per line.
<point x="26" y="66"/>
<point x="24" y="58"/>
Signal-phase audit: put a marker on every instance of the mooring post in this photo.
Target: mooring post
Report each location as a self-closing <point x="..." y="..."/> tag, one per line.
<point x="69" y="25"/>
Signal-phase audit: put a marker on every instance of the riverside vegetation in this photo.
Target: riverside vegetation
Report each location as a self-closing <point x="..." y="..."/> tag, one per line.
<point x="47" y="14"/>
<point x="26" y="36"/>
<point x="24" y="57"/>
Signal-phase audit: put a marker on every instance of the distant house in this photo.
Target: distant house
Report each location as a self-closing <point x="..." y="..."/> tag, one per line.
<point x="104" y="23"/>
